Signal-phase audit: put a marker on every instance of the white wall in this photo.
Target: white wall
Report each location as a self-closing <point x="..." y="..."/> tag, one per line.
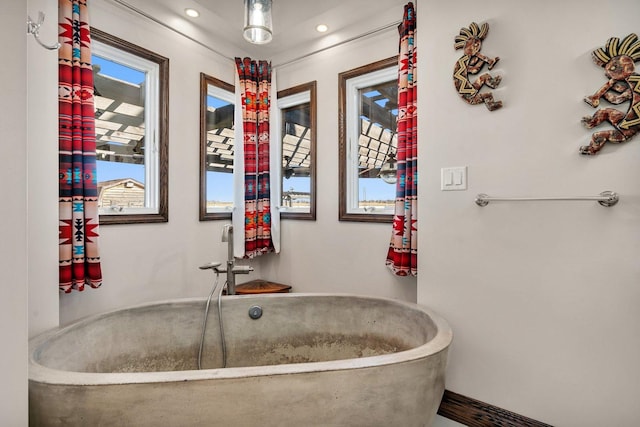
<point x="42" y="196"/>
<point x="13" y="211"/>
<point x="158" y="261"/>
<point x="542" y="296"/>
<point x="328" y="255"/>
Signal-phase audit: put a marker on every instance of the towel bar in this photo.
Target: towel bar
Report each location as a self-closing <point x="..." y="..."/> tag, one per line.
<point x="606" y="198"/>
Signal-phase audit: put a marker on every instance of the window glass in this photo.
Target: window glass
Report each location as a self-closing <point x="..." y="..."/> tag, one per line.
<point x="377" y="140"/>
<point x="216" y="148"/>
<point x="131" y="143"/>
<point x="368" y="141"/>
<point x="297" y="109"/>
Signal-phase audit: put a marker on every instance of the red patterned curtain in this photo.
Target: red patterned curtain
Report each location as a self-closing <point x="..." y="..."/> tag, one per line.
<point x="402" y="257"/>
<point x="78" y="196"/>
<point x="255" y="86"/>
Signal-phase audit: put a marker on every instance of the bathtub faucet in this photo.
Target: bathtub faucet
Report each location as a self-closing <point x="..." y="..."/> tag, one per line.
<point x="231" y="268"/>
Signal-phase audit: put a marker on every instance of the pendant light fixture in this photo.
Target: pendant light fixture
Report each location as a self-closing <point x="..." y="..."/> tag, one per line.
<point x="258" y="27"/>
<point x="389" y="169"/>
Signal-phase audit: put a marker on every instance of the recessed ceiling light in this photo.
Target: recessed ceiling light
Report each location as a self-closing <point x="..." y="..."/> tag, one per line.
<point x="321" y="28"/>
<point x="192" y="13"/>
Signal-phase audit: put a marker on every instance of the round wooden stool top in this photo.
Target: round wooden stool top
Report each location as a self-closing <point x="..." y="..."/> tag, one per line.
<point x="261" y="287"/>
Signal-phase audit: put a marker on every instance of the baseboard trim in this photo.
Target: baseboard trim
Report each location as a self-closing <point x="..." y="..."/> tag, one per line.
<point x="474" y="413"/>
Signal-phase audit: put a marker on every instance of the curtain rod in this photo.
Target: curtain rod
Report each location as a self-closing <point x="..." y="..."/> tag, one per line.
<point x="349" y="40"/>
<point x="283" y="64"/>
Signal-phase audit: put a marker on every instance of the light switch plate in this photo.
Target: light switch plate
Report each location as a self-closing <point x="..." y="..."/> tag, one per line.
<point x="453" y="179"/>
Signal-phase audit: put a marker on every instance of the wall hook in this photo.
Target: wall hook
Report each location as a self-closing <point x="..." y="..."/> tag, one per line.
<point x="34" y="28"/>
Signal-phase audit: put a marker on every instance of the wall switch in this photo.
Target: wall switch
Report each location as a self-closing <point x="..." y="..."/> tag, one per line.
<point x="452" y="179"/>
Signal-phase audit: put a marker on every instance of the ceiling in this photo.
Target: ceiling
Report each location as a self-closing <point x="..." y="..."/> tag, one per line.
<point x="219" y="26"/>
<point x="119" y="117"/>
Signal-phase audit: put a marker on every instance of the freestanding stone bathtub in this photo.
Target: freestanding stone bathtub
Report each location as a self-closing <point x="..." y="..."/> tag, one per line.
<point x="309" y="360"/>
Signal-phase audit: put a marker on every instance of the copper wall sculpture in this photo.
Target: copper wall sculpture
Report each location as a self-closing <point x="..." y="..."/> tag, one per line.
<point x="471" y="63"/>
<point x="617" y="58"/>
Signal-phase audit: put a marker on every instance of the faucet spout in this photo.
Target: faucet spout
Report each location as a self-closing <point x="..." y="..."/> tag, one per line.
<point x="231" y="268"/>
<point x="242" y="269"/>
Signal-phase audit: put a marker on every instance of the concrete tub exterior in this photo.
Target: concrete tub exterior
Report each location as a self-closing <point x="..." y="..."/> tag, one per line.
<point x="311" y="359"/>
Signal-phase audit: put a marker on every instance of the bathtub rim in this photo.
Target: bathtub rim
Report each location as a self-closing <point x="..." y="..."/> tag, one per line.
<point x="39" y="373"/>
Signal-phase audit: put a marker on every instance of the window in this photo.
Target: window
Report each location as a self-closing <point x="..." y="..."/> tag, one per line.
<point x="297" y="108"/>
<point x="131" y="86"/>
<point x="216" y="148"/>
<point x="368" y="110"/>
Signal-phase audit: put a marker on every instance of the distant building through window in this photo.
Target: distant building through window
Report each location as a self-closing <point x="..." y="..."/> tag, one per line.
<point x="130" y="140"/>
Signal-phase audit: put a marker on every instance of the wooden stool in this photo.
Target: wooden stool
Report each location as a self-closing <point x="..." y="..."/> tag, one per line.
<point x="261" y="287"/>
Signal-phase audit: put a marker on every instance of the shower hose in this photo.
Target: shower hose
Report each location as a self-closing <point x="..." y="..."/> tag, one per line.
<point x="204" y="322"/>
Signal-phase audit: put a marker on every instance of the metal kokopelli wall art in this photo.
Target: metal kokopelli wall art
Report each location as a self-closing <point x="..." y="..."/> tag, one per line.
<point x="617" y="58"/>
<point x="472" y="62"/>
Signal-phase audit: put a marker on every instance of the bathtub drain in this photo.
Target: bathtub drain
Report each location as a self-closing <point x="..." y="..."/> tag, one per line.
<point x="255" y="312"/>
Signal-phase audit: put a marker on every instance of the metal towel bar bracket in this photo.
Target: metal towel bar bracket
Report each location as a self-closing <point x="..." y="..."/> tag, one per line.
<point x="606" y="198"/>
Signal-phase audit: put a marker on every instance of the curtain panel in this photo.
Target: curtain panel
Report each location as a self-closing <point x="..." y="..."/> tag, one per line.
<point x="402" y="256"/>
<point x="78" y="195"/>
<point x="255" y="87"/>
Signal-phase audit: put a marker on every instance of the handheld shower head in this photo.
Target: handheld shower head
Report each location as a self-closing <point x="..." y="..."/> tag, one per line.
<point x="212" y="264"/>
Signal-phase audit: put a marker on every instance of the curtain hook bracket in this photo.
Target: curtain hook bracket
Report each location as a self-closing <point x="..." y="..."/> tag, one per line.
<point x="34" y="28"/>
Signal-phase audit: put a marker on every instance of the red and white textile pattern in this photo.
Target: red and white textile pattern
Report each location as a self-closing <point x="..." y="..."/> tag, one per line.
<point x="255" y="87"/>
<point x="402" y="257"/>
<point x="78" y="194"/>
